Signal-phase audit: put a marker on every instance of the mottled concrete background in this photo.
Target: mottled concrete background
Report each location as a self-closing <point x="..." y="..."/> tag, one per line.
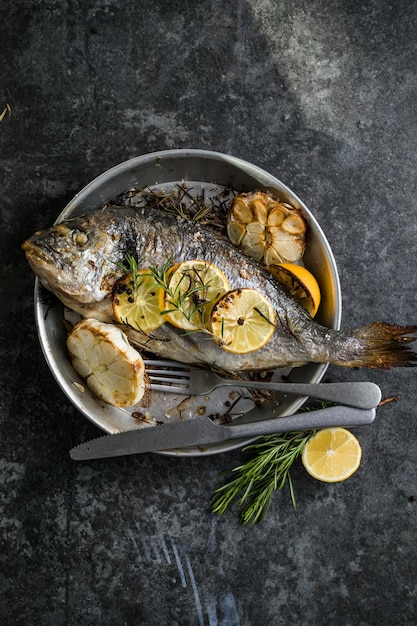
<point x="321" y="93"/>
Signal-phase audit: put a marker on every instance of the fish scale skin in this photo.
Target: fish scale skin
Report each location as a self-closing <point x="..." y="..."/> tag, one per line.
<point x="86" y="275"/>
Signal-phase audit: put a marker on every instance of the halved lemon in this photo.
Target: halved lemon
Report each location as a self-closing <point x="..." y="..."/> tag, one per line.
<point x="136" y="301"/>
<point x="193" y="287"/>
<point x="243" y="320"/>
<point x="332" y="455"/>
<point x="300" y="283"/>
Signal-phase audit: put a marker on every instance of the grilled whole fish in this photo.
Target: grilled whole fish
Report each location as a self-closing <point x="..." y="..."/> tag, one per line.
<point x="78" y="259"/>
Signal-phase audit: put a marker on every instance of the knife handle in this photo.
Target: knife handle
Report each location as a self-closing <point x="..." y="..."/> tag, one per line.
<point x="322" y="418"/>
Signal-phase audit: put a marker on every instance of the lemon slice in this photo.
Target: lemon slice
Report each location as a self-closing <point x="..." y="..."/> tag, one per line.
<point x="193" y="287"/>
<point x="332" y="455"/>
<point x="243" y="320"/>
<point x="136" y="301"/>
<point x="300" y="283"/>
<point x="113" y="370"/>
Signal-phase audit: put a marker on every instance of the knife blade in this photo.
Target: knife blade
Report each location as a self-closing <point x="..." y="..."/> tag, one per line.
<point x="202" y="431"/>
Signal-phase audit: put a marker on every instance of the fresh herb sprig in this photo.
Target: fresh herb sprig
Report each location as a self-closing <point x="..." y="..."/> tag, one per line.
<point x="267" y="470"/>
<point x="189" y="302"/>
<point x="183" y="201"/>
<point x="131" y="266"/>
<point x="179" y="202"/>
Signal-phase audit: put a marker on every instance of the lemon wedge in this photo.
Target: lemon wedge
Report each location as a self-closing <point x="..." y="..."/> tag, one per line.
<point x="300" y="283"/>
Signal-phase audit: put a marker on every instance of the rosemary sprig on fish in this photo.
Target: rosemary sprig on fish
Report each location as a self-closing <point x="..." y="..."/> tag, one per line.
<point x="78" y="260"/>
<point x="184" y="201"/>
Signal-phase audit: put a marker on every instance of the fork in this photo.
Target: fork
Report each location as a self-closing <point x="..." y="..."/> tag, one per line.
<point x="174" y="377"/>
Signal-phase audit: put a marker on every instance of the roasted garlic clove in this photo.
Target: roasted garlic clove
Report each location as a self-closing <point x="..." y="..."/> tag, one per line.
<point x="267" y="229"/>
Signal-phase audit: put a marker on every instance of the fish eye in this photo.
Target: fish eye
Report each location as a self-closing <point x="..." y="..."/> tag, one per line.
<point x="80" y="238"/>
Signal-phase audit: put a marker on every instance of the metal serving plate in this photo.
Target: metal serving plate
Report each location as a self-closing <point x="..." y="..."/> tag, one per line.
<point x="211" y="171"/>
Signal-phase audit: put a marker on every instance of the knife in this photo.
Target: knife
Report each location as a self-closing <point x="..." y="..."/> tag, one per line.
<point x="202" y="431"/>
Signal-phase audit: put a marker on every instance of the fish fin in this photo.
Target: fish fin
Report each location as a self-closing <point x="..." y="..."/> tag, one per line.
<point x="385" y="346"/>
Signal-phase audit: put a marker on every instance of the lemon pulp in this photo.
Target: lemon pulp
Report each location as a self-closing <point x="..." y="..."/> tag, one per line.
<point x="136" y="301"/>
<point x="300" y="283"/>
<point x="192" y="289"/>
<point x="332" y="455"/>
<point x="243" y="320"/>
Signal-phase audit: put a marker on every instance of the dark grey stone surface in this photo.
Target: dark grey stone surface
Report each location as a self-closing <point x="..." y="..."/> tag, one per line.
<point x="322" y="94"/>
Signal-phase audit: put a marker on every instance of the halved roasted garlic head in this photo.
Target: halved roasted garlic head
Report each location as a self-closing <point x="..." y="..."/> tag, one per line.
<point x="267" y="229"/>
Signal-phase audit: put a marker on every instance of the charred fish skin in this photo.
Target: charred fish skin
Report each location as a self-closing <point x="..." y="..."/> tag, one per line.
<point x="154" y="238"/>
<point x="88" y="251"/>
<point x="79" y="260"/>
<point x="85" y="255"/>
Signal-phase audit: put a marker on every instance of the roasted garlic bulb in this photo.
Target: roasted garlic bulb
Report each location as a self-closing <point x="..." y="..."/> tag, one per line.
<point x="266" y="229"/>
<point x="102" y="356"/>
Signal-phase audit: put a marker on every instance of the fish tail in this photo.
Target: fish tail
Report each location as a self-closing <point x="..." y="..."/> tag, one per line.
<point x="384" y="346"/>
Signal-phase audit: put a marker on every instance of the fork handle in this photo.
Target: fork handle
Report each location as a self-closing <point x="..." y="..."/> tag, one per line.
<point x="362" y="395"/>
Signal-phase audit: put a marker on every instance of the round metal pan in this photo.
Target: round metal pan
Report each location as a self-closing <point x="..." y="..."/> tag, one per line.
<point x="161" y="170"/>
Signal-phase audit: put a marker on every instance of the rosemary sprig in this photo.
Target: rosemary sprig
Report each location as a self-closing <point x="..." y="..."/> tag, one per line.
<point x="160" y="275"/>
<point x="180" y="202"/>
<point x="189" y="302"/>
<point x="267" y="470"/>
<point x="131" y="266"/>
<point x="183" y="201"/>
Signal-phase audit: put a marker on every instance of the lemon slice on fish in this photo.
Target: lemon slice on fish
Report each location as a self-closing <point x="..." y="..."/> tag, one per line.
<point x="243" y="320"/>
<point x="300" y="283"/>
<point x="192" y="289"/>
<point x="136" y="301"/>
<point x="332" y="455"/>
<point x="113" y="370"/>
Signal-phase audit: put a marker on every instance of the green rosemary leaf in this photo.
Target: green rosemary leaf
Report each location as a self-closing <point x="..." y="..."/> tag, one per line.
<point x="186" y="301"/>
<point x="253" y="483"/>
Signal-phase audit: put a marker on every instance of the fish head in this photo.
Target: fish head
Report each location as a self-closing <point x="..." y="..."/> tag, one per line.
<point x="78" y="259"/>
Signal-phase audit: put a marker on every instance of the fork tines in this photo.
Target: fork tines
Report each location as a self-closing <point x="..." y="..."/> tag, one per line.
<point x="168" y="373"/>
